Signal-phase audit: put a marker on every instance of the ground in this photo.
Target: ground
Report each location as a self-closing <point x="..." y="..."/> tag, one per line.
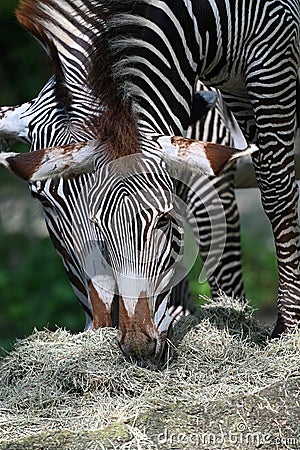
<point x="228" y="388"/>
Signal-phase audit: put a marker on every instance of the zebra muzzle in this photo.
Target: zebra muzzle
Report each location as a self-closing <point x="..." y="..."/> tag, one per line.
<point x="147" y="351"/>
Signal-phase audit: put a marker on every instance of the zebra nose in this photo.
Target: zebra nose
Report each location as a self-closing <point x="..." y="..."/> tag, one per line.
<point x="147" y="351"/>
<point x="139" y="347"/>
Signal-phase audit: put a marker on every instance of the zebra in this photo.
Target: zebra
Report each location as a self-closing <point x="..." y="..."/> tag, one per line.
<point x="29" y="122"/>
<point x="15" y="124"/>
<point x="202" y="43"/>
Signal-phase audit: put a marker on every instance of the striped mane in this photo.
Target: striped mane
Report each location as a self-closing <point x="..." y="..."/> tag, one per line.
<point x="81" y="26"/>
<point x="36" y="17"/>
<point x="109" y="84"/>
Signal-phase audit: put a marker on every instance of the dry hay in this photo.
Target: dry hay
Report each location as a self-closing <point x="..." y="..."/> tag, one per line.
<point x="228" y="388"/>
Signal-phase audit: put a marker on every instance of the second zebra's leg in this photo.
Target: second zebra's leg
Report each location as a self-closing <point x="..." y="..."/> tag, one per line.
<point x="181" y="298"/>
<point x="215" y="219"/>
<point x="274" y="108"/>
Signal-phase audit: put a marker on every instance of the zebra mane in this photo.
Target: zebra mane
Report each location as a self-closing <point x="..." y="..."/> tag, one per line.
<point x="106" y="81"/>
<point x="34" y="17"/>
<point x="88" y="24"/>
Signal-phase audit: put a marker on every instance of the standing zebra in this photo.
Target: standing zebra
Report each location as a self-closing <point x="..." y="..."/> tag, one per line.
<point x="144" y="93"/>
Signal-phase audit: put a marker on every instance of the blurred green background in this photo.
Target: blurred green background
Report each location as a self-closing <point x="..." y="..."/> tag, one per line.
<point x="34" y="289"/>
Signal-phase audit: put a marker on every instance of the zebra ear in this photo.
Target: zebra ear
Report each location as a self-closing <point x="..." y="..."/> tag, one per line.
<point x="208" y="158"/>
<point x="13" y="124"/>
<point x="64" y="161"/>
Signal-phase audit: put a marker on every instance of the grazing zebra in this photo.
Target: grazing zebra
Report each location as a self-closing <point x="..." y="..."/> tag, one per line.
<point x="58" y="116"/>
<point x="147" y="58"/>
<point x="73" y="240"/>
<point x="15" y="123"/>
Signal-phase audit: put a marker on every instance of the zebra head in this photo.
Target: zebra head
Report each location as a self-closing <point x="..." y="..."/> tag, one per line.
<point x="139" y="231"/>
<point x="140" y="235"/>
<point x="132" y="206"/>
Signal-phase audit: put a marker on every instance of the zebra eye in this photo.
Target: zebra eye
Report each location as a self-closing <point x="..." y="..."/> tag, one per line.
<point x="164" y="220"/>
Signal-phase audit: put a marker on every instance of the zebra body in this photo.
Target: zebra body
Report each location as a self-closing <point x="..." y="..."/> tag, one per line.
<point x="136" y="85"/>
<point x="250" y="51"/>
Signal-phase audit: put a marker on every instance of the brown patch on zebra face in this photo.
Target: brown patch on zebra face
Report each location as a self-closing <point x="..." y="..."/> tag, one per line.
<point x="101" y="314"/>
<point x="139" y="338"/>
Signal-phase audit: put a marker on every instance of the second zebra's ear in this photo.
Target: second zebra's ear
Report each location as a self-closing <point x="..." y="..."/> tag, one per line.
<point x="203" y="101"/>
<point x="206" y="157"/>
<point x="64" y="161"/>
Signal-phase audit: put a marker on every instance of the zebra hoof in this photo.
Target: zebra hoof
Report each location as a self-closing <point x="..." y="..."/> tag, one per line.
<point x="281" y="329"/>
<point x="278" y="331"/>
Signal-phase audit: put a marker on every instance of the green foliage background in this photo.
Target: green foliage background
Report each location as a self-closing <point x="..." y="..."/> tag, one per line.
<point x="34" y="290"/>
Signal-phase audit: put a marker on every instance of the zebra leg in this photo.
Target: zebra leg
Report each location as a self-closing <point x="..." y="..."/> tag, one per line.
<point x="274" y="108"/>
<point x="181" y="298"/>
<point x="228" y="276"/>
<point x="223" y="263"/>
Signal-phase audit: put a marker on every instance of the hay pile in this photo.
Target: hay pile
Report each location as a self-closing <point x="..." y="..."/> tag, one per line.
<point x="228" y="388"/>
